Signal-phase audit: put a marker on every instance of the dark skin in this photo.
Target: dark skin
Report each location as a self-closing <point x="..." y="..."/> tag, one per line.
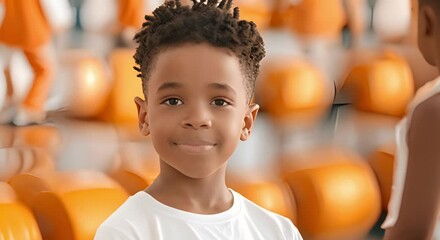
<point x="195" y="114"/>
<point x="421" y="197"/>
<point x="420" y="201"/>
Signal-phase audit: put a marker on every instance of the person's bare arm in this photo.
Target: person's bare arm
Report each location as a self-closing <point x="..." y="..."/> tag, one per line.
<point x="421" y="196"/>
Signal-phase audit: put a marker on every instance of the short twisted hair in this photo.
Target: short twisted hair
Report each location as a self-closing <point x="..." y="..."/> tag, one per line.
<point x="212" y="22"/>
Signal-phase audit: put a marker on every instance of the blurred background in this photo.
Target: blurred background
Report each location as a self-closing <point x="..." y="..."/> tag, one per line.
<point x="336" y="80"/>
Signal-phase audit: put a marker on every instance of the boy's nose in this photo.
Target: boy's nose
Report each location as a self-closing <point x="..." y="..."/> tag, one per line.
<point x="197" y="118"/>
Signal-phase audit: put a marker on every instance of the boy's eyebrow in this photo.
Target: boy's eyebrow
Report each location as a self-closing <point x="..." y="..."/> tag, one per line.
<point x="175" y="85"/>
<point x="169" y="85"/>
<point x="222" y="86"/>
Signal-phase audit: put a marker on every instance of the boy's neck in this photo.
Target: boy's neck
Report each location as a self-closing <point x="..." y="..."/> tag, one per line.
<point x="208" y="195"/>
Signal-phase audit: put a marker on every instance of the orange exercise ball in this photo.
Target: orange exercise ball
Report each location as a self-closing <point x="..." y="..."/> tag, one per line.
<point x="327" y="182"/>
<point x="16" y="221"/>
<point x="87" y="84"/>
<point x="382" y="85"/>
<point x="69" y="205"/>
<point x="294" y="91"/>
<point x="316" y="18"/>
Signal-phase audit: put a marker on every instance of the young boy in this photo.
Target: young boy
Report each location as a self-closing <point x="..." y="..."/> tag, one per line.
<point x="414" y="204"/>
<point x="198" y="67"/>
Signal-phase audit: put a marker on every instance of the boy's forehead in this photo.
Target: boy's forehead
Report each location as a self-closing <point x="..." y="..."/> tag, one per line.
<point x="197" y="60"/>
<point x="195" y="50"/>
<point x="199" y="64"/>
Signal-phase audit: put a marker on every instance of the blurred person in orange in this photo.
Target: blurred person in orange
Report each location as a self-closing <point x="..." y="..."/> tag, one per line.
<point x="25" y="27"/>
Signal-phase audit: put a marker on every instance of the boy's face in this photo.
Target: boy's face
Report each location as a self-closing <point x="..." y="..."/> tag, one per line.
<point x="196" y="108"/>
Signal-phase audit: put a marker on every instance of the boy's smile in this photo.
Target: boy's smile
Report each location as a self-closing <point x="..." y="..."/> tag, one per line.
<point x="195" y="146"/>
<point x="196" y="109"/>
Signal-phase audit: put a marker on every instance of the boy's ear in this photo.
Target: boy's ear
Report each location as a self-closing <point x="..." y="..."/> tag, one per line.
<point x="141" y="106"/>
<point x="248" y="121"/>
<point x="427" y="26"/>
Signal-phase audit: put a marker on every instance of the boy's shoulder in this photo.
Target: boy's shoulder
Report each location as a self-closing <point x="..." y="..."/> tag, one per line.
<point x="264" y="219"/>
<point x="260" y="212"/>
<point x="123" y="223"/>
<point x="431" y="105"/>
<point x="425" y="106"/>
<point x="133" y="208"/>
<point x="428" y="111"/>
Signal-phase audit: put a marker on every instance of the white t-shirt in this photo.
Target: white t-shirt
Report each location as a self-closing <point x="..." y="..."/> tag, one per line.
<point x="142" y="217"/>
<point x="401" y="157"/>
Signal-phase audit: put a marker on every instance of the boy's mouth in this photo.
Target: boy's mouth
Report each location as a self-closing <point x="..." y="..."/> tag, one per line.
<point x="195" y="146"/>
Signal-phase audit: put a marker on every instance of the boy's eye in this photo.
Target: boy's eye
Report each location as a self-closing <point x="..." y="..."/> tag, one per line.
<point x="173" y="101"/>
<point x="220" y="102"/>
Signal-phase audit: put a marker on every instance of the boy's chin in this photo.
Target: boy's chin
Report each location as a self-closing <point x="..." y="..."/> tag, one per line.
<point x="199" y="174"/>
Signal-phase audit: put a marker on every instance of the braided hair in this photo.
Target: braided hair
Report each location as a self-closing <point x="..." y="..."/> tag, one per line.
<point x="207" y="21"/>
